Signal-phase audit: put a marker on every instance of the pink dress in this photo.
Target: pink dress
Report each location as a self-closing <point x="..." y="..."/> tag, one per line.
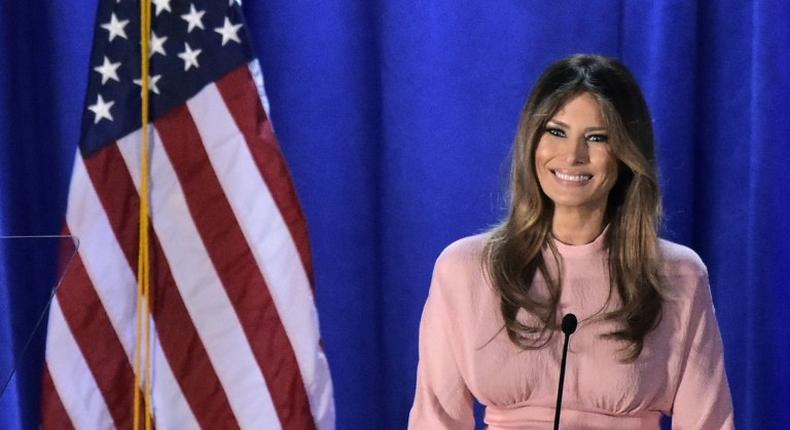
<point x="464" y="352"/>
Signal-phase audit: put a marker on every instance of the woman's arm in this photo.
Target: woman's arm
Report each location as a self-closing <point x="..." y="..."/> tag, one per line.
<point x="703" y="399"/>
<point x="442" y="400"/>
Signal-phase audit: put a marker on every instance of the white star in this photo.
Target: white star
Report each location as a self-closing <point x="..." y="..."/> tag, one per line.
<point x="190" y="57"/>
<point x="157" y="44"/>
<point x="162" y="5"/>
<point x="194" y="18"/>
<point x="108" y="71"/>
<point x="152" y="80"/>
<point x="115" y="27"/>
<point x="229" y="32"/>
<point x="101" y="109"/>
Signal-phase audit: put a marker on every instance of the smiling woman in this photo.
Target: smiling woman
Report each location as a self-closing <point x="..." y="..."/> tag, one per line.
<point x="576" y="168"/>
<point x="580" y="237"/>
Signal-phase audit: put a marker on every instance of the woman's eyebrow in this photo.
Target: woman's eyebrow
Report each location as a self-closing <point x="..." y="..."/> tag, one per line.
<point x="586" y="130"/>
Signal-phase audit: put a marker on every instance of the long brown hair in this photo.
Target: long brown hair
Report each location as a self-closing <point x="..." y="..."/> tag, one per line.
<point x="513" y="255"/>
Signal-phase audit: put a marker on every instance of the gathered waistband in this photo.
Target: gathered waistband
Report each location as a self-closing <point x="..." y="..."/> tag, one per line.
<point x="539" y="417"/>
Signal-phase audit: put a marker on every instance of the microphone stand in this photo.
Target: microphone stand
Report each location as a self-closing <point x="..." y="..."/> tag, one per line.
<point x="569" y="323"/>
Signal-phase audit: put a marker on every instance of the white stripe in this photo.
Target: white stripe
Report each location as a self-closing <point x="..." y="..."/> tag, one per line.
<point x="270" y="240"/>
<point x="204" y="296"/>
<point x="171" y="410"/>
<point x="101" y="255"/>
<point x="257" y="77"/>
<point x="73" y="380"/>
<point x="116" y="286"/>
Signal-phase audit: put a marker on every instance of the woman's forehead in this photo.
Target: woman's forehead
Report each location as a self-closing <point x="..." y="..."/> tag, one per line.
<point x="582" y="109"/>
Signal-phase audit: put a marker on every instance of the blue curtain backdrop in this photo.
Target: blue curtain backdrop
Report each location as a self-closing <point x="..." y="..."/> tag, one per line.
<point x="396" y="118"/>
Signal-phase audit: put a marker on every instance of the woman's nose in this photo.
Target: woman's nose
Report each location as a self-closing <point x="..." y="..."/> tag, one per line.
<point x="577" y="151"/>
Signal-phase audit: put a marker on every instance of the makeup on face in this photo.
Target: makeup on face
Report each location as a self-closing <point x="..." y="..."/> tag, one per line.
<point x="574" y="162"/>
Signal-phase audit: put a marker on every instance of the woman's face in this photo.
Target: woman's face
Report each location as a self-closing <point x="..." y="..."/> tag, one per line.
<point x="574" y="162"/>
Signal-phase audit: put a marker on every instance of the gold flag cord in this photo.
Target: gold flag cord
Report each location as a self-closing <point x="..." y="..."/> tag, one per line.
<point x="142" y="359"/>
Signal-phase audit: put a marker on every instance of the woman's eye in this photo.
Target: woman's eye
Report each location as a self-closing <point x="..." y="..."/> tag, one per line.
<point x="555" y="132"/>
<point x="597" y="138"/>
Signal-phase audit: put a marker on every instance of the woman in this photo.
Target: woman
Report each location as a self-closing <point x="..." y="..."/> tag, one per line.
<point x="580" y="237"/>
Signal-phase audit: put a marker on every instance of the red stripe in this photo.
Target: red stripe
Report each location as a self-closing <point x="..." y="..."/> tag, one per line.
<point x="180" y="342"/>
<point x="98" y="342"/>
<point x="53" y="414"/>
<point x="240" y="94"/>
<point x="236" y="267"/>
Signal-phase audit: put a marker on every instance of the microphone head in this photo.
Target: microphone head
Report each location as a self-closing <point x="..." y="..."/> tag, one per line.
<point x="569" y="323"/>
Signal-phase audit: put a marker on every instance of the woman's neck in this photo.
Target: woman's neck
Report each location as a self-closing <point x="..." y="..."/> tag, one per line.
<point x="577" y="226"/>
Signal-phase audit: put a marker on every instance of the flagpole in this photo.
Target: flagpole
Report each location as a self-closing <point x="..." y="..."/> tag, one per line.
<point x="143" y="350"/>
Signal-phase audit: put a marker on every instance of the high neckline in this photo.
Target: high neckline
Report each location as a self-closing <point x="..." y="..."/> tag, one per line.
<point x="568" y="250"/>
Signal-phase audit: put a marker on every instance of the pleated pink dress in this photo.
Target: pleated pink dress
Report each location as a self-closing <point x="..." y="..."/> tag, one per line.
<point x="464" y="352"/>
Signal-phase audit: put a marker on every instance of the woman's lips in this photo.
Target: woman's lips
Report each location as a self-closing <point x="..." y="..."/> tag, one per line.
<point x="574" y="178"/>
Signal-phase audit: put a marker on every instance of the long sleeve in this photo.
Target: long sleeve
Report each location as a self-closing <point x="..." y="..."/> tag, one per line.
<point x="703" y="399"/>
<point x="442" y="400"/>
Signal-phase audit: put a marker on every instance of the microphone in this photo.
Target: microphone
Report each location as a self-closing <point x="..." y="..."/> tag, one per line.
<point x="569" y="324"/>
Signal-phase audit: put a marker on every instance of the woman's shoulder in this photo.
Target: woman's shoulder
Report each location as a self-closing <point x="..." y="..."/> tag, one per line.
<point x="684" y="275"/>
<point x="463" y="251"/>
<point x="462" y="259"/>
<point x="680" y="260"/>
<point x="459" y="279"/>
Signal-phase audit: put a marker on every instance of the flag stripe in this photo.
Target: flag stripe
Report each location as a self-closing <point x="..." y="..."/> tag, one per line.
<point x="95" y="336"/>
<point x="241" y="97"/>
<point x="204" y="296"/>
<point x="71" y="377"/>
<point x="101" y="255"/>
<point x="180" y="342"/>
<point x="112" y="277"/>
<point x="270" y="240"/>
<point x="236" y="265"/>
<point x="53" y="414"/>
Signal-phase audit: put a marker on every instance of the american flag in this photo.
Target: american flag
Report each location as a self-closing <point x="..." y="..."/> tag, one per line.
<point x="235" y="330"/>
